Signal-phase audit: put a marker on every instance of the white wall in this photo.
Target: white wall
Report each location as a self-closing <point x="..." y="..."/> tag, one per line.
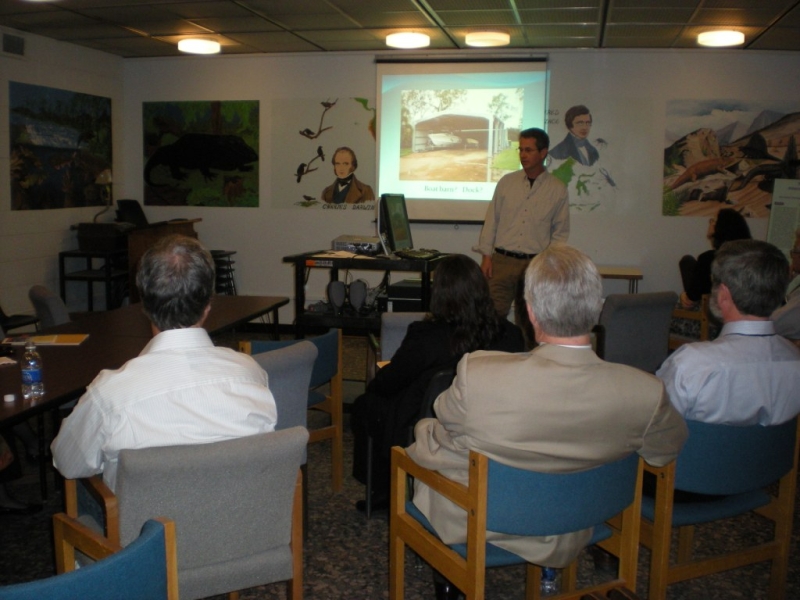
<point x="31" y="240"/>
<point x="630" y="88"/>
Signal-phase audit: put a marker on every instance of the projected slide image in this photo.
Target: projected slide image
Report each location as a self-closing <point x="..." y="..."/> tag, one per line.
<point x="448" y="131"/>
<point x="454" y="135"/>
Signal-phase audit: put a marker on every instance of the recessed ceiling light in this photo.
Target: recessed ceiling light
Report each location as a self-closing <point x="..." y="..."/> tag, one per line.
<point x="408" y="39"/>
<point x="485" y="39"/>
<point x="199" y="46"/>
<point x="720" y="38"/>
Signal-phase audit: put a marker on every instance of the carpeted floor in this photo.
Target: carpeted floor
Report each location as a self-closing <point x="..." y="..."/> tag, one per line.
<point x="346" y="555"/>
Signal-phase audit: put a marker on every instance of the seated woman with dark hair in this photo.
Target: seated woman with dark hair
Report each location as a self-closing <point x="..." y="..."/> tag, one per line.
<point x="462" y="319"/>
<point x="728" y="225"/>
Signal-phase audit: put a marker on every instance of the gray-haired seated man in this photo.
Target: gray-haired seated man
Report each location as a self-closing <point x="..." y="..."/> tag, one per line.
<point x="181" y="389"/>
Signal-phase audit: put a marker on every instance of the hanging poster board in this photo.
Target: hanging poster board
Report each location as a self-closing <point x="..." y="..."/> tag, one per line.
<point x="784" y="215"/>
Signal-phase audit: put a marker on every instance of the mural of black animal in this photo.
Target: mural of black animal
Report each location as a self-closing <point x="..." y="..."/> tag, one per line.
<point x="202" y="151"/>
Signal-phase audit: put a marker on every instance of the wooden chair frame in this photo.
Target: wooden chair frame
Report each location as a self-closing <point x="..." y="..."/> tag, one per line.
<point x="676" y="341"/>
<point x="469" y="574"/>
<point x="72" y="529"/>
<point x="335" y="431"/>
<point x="70" y="534"/>
<point x="657" y="536"/>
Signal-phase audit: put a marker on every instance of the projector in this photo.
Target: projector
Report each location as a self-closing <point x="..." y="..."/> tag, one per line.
<point x="357" y="244"/>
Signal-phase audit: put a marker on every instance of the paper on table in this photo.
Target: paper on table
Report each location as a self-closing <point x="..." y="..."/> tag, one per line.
<point x="60" y="339"/>
<point x="340" y="254"/>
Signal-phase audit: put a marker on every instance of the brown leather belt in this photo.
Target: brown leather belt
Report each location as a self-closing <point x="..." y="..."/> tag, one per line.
<point x="519" y="255"/>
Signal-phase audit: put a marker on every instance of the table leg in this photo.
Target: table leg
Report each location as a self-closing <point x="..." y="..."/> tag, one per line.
<point x="276" y="329"/>
<point x="42" y="455"/>
<point x="299" y="298"/>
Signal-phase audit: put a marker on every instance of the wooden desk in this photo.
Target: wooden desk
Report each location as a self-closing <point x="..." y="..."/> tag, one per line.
<point x="319" y="260"/>
<point x="632" y="274"/>
<point x="115" y="337"/>
<point x="227" y="313"/>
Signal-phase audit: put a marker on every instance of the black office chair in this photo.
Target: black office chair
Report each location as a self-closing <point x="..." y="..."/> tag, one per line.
<point x="440" y="381"/>
<point x="9" y="322"/>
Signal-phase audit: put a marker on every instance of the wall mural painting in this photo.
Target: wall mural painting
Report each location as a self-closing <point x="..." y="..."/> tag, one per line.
<point x="595" y="152"/>
<point x="728" y="153"/>
<point x="323" y="154"/>
<point x="60" y="144"/>
<point x="201" y="153"/>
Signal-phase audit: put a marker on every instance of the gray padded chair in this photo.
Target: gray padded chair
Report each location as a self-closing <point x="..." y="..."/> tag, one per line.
<point x="635" y="329"/>
<point x="50" y="309"/>
<point x="393" y="329"/>
<point x="289" y="375"/>
<point x="236" y="507"/>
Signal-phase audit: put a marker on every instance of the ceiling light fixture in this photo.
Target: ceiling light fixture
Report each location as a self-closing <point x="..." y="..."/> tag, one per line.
<point x="486" y="39"/>
<point x="199" y="46"/>
<point x="408" y="39"/>
<point x="721" y="38"/>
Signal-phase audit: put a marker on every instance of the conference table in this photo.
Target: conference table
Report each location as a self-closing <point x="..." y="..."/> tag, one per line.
<point x="115" y="336"/>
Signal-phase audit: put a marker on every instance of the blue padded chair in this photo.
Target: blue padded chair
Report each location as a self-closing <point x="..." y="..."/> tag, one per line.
<point x="635" y="329"/>
<point x="735" y="463"/>
<point x="518" y="502"/>
<point x="327" y="370"/>
<point x="146" y="569"/>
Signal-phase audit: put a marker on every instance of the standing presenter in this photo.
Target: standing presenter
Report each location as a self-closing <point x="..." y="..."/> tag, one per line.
<point x="529" y="210"/>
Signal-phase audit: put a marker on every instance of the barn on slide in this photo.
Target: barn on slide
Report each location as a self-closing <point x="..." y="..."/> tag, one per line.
<point x="460" y="131"/>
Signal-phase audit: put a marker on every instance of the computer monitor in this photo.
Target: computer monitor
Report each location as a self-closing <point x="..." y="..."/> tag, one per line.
<point x="394" y="222"/>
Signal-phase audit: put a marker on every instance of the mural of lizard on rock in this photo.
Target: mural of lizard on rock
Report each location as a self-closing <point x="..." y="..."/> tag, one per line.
<point x="201" y="151"/>
<point x="701" y="169"/>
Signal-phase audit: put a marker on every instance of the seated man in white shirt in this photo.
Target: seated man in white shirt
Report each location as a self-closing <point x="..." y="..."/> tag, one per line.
<point x="181" y="389"/>
<point x="749" y="374"/>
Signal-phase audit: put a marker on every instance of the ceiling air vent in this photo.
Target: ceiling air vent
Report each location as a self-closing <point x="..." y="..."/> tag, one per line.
<point x="13" y="44"/>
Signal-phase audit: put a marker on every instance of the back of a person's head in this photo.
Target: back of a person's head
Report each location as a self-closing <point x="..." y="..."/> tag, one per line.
<point x="564" y="290"/>
<point x="756" y="273"/>
<point x="175" y="281"/>
<point x="731" y="225"/>
<point x="460" y="296"/>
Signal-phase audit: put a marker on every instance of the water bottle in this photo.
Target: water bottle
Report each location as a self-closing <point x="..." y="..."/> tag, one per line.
<point x="32" y="384"/>
<point x="549" y="585"/>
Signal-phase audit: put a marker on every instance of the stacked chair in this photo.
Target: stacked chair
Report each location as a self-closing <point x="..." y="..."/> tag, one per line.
<point x="225" y="283"/>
